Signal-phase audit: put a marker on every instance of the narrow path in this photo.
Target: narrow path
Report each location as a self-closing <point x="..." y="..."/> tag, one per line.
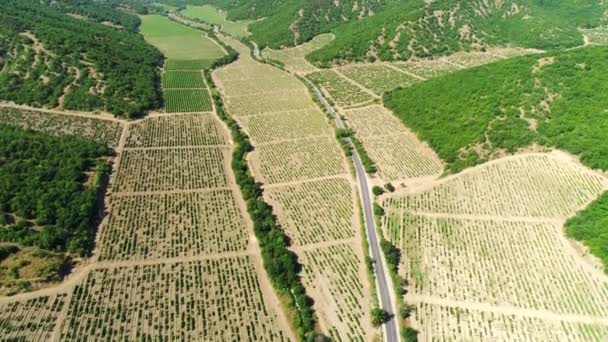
<point x="100" y="116"/>
<point x="507" y="310"/>
<point x="390" y="66"/>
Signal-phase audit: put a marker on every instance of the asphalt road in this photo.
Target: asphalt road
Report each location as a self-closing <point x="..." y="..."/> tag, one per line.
<point x="391" y="332"/>
<point x="384" y="286"/>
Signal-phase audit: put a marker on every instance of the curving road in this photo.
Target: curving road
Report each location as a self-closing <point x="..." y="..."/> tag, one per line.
<point x="383" y="283"/>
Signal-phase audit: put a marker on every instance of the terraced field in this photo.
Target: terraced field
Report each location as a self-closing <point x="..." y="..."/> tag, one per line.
<point x="306" y="180"/>
<point x="487" y="258"/>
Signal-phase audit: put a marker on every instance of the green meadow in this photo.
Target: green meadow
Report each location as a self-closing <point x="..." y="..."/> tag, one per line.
<point x="212" y="15"/>
<point x="177" y="41"/>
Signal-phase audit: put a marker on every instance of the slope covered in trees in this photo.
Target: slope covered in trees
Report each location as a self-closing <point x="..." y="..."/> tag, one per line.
<point x="44" y="200"/>
<point x="48" y="58"/>
<point x="591" y="227"/>
<point x="556" y="99"/>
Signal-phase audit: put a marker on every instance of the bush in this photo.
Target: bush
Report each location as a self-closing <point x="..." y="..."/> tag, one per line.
<point x="409" y="334"/>
<point x="377" y="191"/>
<point x="378" y="210"/>
<point x="379" y="317"/>
<point x="389" y="187"/>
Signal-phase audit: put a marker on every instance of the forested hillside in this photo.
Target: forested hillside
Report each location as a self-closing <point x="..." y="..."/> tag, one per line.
<point x="56" y="54"/>
<point x="556" y="99"/>
<point x="399" y="30"/>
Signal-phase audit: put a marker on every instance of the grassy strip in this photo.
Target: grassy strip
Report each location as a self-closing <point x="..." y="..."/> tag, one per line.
<point x="280" y="263"/>
<point x="591" y="227"/>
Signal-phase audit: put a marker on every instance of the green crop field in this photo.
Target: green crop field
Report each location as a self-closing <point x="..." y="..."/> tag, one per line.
<point x="212" y="15"/>
<point x="178" y="41"/>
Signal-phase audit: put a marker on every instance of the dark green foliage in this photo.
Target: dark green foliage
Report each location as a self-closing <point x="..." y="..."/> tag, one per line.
<point x="379" y="317"/>
<point x="42" y="185"/>
<point x="368" y="163"/>
<point x="409" y="334"/>
<point x="378" y="210"/>
<point x="540" y="24"/>
<point x="280" y="263"/>
<point x="389" y="187"/>
<point x="406" y="311"/>
<point x="7" y="250"/>
<point x="392" y="255"/>
<point x="126" y="67"/>
<point x="591" y="227"/>
<point x="502" y="101"/>
<point x="369" y="264"/>
<point x="99" y="11"/>
<point x="377" y="190"/>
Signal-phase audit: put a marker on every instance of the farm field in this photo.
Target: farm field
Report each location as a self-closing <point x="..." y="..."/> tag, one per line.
<point x="212" y="15"/>
<point x="489" y="243"/>
<point x="378" y="78"/>
<point x="306" y="180"/>
<point x="30" y="320"/>
<point x="293" y="58"/>
<point x="177" y="41"/>
<point x="395" y="150"/>
<point x="209" y="300"/>
<point x="343" y="92"/>
<point x="102" y="131"/>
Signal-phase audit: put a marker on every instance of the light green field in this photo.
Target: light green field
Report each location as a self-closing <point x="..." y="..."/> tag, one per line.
<point x="178" y="41"/>
<point x="211" y="15"/>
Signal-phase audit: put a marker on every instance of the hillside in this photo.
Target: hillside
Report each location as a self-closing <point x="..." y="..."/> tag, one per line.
<point x="399" y="30"/>
<point x="52" y="57"/>
<point x="557" y="99"/>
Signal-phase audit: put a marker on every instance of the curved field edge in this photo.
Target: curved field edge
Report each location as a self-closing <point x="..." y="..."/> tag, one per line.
<point x="475" y="115"/>
<point x="590" y="226"/>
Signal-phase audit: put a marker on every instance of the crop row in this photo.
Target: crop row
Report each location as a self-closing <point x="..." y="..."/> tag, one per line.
<point x="192" y="65"/>
<point x="280" y="126"/>
<point x="214" y="300"/>
<point x="513" y="263"/>
<point x="343" y="92"/>
<point x="442" y="323"/>
<point x="171" y="169"/>
<point x="315" y="211"/>
<point x="102" y="131"/>
<point x="536" y="185"/>
<point x="173" y="225"/>
<point x="377" y="77"/>
<point x="280" y="101"/>
<point x="183" y="80"/>
<point x="187" y="100"/>
<point x="173" y="131"/>
<point x="30" y="320"/>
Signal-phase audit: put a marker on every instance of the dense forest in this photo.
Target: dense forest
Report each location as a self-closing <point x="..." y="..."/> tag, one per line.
<point x="591" y="227"/>
<point x="49" y="58"/>
<point x="399" y="30"/>
<point x="557" y="99"/>
<point x="48" y="189"/>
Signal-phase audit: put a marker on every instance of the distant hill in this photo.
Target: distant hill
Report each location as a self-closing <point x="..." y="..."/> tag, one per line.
<point x="77" y="55"/>
<point x="401" y="29"/>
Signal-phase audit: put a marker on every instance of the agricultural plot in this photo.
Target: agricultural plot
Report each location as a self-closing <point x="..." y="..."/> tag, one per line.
<point x="187" y="65"/>
<point x="279" y="101"/>
<point x="444" y="323"/>
<point x="492" y="237"/>
<point x="533" y="185"/>
<point x="294" y="57"/>
<point x="213" y="300"/>
<point x="173" y="225"/>
<point x="315" y="211"/>
<point x="176" y="131"/>
<point x="187" y="100"/>
<point x="343" y="92"/>
<point x="172" y="169"/>
<point x="102" y="131"/>
<point x="427" y="68"/>
<point x="280" y="126"/>
<point x="472" y="59"/>
<point x="184" y="80"/>
<point x="212" y="15"/>
<point x="378" y="78"/>
<point x="177" y="41"/>
<point x="30" y="320"/>
<point x="596" y="36"/>
<point x="330" y="275"/>
<point x="264" y="86"/>
<point x="299" y="160"/>
<point x="396" y="152"/>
